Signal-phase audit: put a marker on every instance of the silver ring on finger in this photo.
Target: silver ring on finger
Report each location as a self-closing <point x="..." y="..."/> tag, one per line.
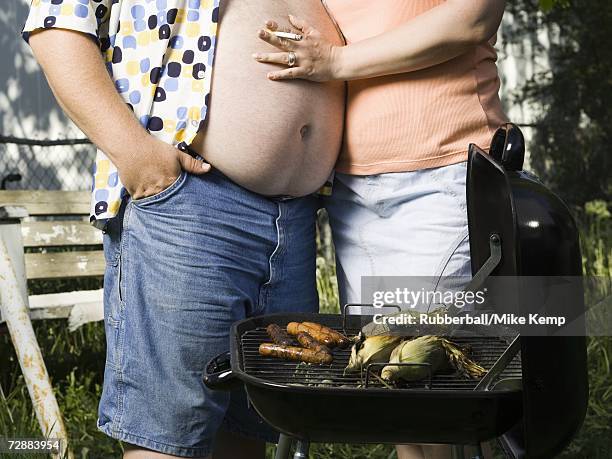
<point x="291" y="59"/>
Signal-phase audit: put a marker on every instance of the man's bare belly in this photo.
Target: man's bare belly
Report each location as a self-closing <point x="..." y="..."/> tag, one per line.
<point x="274" y="138"/>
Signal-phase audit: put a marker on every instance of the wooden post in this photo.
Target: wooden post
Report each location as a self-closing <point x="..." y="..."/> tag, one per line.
<point x="13" y="305"/>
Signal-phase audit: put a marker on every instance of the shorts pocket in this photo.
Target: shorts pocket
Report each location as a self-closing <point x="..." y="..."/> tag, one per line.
<point x="456" y="260"/>
<point x="171" y="189"/>
<point x="111" y="245"/>
<point x="452" y="180"/>
<point x="113" y="316"/>
<point x="115" y="336"/>
<point x="111" y="236"/>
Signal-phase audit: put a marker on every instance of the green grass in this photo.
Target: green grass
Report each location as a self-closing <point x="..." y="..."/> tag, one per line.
<point x="595" y="437"/>
<point x="76" y="361"/>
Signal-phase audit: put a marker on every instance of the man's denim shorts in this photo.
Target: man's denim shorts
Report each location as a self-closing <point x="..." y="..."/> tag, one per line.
<point x="181" y="267"/>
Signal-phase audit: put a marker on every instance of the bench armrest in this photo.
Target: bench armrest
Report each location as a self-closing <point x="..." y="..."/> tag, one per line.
<point x="12" y="213"/>
<point x="10" y="236"/>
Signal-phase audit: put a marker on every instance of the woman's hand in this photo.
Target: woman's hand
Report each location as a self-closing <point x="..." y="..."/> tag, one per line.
<point x="442" y="33"/>
<point x="316" y="59"/>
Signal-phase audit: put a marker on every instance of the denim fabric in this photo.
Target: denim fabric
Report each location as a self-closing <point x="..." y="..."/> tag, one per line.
<point x="182" y="266"/>
<point x="401" y="224"/>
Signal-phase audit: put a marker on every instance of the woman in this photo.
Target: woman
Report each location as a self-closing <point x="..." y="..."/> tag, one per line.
<point x="422" y="86"/>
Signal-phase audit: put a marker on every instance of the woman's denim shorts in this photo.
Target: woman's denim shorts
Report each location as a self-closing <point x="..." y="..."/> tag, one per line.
<point x="181" y="267"/>
<point x="403" y="224"/>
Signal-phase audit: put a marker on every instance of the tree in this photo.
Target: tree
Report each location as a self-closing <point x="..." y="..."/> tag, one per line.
<point x="572" y="146"/>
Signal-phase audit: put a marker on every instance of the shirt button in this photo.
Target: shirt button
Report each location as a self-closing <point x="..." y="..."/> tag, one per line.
<point x="201" y="74"/>
<point x="194" y="122"/>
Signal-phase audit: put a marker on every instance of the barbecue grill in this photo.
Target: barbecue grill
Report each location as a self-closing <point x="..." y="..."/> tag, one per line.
<point x="535" y="394"/>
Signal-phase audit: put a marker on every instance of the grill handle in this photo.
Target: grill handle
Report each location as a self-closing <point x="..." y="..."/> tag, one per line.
<point x="500" y="365"/>
<point x="219" y="375"/>
<point x="373" y="366"/>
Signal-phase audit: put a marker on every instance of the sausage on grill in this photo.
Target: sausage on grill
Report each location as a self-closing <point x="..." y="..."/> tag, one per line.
<point x="309" y="342"/>
<point x="279" y="335"/>
<point x="340" y="339"/>
<point x="293" y="328"/>
<point x="295" y="353"/>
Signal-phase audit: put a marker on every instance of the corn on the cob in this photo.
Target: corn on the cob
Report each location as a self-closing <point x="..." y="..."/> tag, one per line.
<point x="375" y="349"/>
<point x="461" y="362"/>
<point x="422" y="350"/>
<point x="439" y="353"/>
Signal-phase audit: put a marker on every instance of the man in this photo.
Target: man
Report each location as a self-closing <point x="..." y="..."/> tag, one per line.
<point x="190" y="248"/>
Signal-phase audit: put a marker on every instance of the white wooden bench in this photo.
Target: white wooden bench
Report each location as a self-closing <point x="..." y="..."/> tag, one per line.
<point x="59" y="219"/>
<point x="33" y="226"/>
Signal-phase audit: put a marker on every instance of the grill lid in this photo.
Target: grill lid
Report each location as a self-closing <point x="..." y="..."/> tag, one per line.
<point x="538" y="238"/>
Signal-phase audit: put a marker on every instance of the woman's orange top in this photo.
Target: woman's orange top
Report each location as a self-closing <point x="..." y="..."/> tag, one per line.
<point x="420" y="119"/>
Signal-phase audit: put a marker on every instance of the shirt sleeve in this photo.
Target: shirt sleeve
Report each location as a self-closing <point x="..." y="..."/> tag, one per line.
<point x="86" y="16"/>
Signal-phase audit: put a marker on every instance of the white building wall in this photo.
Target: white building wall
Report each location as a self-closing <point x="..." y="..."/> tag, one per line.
<point x="28" y="110"/>
<point x="518" y="63"/>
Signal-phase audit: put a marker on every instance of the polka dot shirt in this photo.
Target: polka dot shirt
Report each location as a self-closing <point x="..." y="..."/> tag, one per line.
<point x="159" y="54"/>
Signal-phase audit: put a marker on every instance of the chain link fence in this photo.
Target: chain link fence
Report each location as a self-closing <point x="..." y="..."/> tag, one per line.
<point x="54" y="166"/>
<point x="60" y="158"/>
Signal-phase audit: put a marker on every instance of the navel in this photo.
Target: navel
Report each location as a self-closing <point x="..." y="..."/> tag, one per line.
<point x="304" y="131"/>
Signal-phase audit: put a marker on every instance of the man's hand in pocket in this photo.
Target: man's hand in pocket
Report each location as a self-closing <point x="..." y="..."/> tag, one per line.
<point x="156" y="168"/>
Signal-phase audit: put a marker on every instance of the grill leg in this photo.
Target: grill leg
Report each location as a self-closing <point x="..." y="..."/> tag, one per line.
<point x="301" y="450"/>
<point x="283" y="448"/>
<point x="458" y="452"/>
<point x="476" y="452"/>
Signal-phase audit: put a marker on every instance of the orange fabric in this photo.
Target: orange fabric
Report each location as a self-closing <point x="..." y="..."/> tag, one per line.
<point x="420" y="119"/>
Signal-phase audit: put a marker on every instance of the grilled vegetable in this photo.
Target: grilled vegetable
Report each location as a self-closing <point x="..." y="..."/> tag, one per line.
<point x="461" y="362"/>
<point x="439" y="353"/>
<point x="279" y="335"/>
<point x="309" y="342"/>
<point x="422" y="350"/>
<point x="295" y="353"/>
<point x="293" y="328"/>
<point x="340" y="339"/>
<point x="375" y="349"/>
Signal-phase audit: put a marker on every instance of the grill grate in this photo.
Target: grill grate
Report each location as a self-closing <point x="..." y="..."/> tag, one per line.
<point x="485" y="351"/>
